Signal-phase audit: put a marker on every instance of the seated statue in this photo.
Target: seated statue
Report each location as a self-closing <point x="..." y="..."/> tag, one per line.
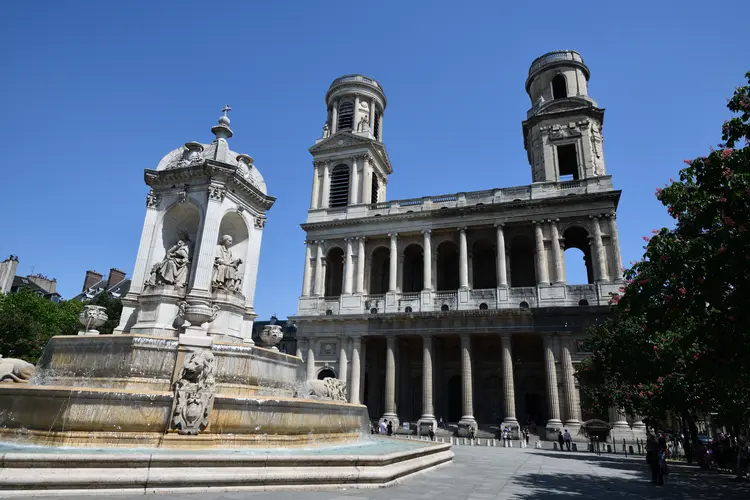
<point x="173" y="269"/>
<point x="226" y="268"/>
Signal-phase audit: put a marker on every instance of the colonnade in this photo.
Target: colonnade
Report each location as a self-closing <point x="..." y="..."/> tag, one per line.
<point x="548" y="270"/>
<point x="557" y="349"/>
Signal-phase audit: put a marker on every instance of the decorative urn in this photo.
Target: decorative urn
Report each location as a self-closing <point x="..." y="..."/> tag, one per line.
<point x="92" y="317"/>
<point x="197" y="313"/>
<point x="271" y="335"/>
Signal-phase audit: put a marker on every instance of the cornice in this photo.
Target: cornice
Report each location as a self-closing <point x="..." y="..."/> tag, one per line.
<point x="459" y="211"/>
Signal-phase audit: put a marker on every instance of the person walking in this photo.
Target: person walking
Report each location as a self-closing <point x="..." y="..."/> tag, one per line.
<point x="568" y="439"/>
<point x="653" y="459"/>
<point x="389" y="428"/>
<point x="560" y="439"/>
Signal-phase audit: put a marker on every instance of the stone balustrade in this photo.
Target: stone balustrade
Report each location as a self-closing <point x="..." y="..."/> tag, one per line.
<point x="537" y="191"/>
<point x="461" y="300"/>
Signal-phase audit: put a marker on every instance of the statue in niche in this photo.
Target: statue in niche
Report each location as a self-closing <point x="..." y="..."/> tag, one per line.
<point x="364" y="124"/>
<point x="226" y="268"/>
<point x="326" y="131"/>
<point x="596" y="147"/>
<point x="173" y="269"/>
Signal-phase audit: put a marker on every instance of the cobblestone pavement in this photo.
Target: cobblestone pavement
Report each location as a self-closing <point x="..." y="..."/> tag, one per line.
<point x="480" y="473"/>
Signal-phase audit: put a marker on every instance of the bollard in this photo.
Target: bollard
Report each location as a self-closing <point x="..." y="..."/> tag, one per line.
<point x="575" y="448"/>
<point x="487" y="443"/>
<point x="623" y="446"/>
<point x="538" y="445"/>
<point x="510" y="442"/>
<point x="554" y="446"/>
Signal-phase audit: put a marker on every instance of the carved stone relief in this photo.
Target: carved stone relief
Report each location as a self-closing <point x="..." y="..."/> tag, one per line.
<point x="152" y="200"/>
<point x="15" y="370"/>
<point x="194" y="392"/>
<point x="327" y="348"/>
<point x="329" y="388"/>
<point x="216" y="193"/>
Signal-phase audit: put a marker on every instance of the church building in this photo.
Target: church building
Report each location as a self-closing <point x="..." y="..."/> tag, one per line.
<point x="457" y="306"/>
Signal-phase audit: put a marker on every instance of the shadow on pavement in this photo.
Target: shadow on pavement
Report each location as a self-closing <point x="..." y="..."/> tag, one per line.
<point x="629" y="478"/>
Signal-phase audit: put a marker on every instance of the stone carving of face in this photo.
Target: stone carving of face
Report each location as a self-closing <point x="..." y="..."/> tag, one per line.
<point x="226" y="240"/>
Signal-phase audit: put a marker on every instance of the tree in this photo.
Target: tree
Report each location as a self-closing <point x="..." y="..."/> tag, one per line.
<point x="28" y="321"/>
<point x="679" y="337"/>
<point x="114" y="310"/>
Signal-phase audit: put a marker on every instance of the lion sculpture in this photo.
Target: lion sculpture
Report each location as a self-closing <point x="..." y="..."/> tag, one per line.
<point x="194" y="391"/>
<point x="328" y="388"/>
<point x="15" y="370"/>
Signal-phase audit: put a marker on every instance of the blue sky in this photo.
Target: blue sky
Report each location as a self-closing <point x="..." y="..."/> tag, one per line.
<point x="93" y="93"/>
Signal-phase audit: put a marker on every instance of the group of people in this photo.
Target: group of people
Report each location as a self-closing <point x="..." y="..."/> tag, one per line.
<point x="382" y="428"/>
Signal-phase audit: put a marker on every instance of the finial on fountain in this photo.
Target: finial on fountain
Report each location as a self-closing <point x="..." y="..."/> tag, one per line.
<point x="222" y="130"/>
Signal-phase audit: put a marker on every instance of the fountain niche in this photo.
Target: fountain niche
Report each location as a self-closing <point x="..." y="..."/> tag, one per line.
<point x="180" y="397"/>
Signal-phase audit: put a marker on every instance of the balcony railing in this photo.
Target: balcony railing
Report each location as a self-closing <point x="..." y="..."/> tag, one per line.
<point x="489" y="298"/>
<point x="557" y="55"/>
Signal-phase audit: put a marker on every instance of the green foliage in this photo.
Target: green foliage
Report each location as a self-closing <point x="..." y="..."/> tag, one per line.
<point x="679" y="338"/>
<point x="114" y="310"/>
<point x="28" y="321"/>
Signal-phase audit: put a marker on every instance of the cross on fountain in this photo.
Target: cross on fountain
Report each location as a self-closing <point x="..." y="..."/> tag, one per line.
<point x="226" y="109"/>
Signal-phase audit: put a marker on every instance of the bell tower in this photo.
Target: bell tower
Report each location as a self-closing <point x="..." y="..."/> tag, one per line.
<point x="351" y="166"/>
<point x="563" y="129"/>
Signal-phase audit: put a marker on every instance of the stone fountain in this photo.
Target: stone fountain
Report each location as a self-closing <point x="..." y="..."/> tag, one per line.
<point x="179" y="396"/>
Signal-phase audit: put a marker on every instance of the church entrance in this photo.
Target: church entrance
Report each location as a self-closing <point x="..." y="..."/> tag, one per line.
<point x="454" y="398"/>
<point x="534" y="405"/>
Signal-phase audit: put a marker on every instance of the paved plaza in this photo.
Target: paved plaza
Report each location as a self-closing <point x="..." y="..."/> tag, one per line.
<point x="480" y="473"/>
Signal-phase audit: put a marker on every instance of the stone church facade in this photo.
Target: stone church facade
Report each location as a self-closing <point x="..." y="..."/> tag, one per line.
<point x="457" y="306"/>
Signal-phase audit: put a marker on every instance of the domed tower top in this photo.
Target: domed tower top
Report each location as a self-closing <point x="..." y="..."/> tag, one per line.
<point x="355" y="104"/>
<point x="559" y="74"/>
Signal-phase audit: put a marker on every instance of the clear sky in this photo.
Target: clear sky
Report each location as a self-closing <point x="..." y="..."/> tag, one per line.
<point x="93" y="93"/>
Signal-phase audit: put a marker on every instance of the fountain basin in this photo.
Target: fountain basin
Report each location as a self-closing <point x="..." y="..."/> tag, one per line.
<point x="382" y="462"/>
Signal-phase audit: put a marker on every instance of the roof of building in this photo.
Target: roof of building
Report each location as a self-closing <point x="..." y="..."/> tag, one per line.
<point x="118" y="290"/>
<point x="22" y="282"/>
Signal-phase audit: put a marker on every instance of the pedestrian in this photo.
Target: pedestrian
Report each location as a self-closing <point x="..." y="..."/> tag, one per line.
<point x="432" y="434"/>
<point x="526" y="435"/>
<point x="389" y="428"/>
<point x="653" y="459"/>
<point x="567" y="438"/>
<point x="382" y="427"/>
<point x="560" y="439"/>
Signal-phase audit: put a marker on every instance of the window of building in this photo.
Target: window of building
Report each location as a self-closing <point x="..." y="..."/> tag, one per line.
<point x="413" y="268"/>
<point x="408" y="309"/>
<point x="375" y="189"/>
<point x="334" y="269"/>
<point x="377" y="126"/>
<point x="444" y="307"/>
<point x="346" y="116"/>
<point x="559" y="87"/>
<point x="326" y="373"/>
<point x="567" y="162"/>
<point x="339" y="191"/>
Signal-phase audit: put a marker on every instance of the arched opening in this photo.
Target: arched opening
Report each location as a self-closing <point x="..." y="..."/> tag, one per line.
<point x="334" y="272"/>
<point x="578" y="265"/>
<point x="567" y="162"/>
<point x="583" y="302"/>
<point x="483" y="306"/>
<point x="484" y="265"/>
<point x="180" y="223"/>
<point x="522" y="271"/>
<point x="375" y="189"/>
<point x="454" y="398"/>
<point x="326" y="373"/>
<point x="445" y="308"/>
<point x="447" y="266"/>
<point x="488" y="407"/>
<point x="346" y="116"/>
<point x="523" y="305"/>
<point x="234" y="225"/>
<point x="559" y="87"/>
<point x="407" y="309"/>
<point x="413" y="269"/>
<point x="379" y="266"/>
<point x="338" y="195"/>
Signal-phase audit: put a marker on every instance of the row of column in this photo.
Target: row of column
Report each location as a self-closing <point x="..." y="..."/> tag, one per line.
<point x="558" y="246"/>
<point x="349" y="365"/>
<point x="572" y="402"/>
<point x="357" y="186"/>
<point x="355" y="116"/>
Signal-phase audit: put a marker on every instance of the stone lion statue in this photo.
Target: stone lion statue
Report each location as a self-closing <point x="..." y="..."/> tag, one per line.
<point x="197" y="373"/>
<point x="329" y="388"/>
<point x="194" y="392"/>
<point x="15" y="370"/>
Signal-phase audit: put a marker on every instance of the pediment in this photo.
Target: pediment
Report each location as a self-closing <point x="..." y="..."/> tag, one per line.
<point x="341" y="140"/>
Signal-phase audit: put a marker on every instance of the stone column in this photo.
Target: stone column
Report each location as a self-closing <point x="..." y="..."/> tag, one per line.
<point x="355" y="114"/>
<point x="335" y="117"/>
<point x="326" y="185"/>
<point x="360" y="288"/>
<point x="142" y="269"/>
<point x="601" y="262"/>
<point x="553" y="402"/>
<point x="427" y="260"/>
<point x="354" y="188"/>
<point x="307" y="277"/>
<point x="319" y="277"/>
<point x="390" y="381"/>
<point x="209" y="238"/>
<point x="509" y="392"/>
<point x="556" y="253"/>
<point x="428" y="412"/>
<point x="311" y="342"/>
<point x="572" y="405"/>
<point x="343" y="361"/>
<point x="366" y="181"/>
<point x="381" y="126"/>
<point x="348" y="268"/>
<point x="463" y="260"/>
<point x="614" y="238"/>
<point x="371" y="120"/>
<point x="467" y="420"/>
<point x="354" y="376"/>
<point x="502" y="272"/>
<point x="542" y="277"/>
<point x="393" y="274"/>
<point x="620" y="419"/>
<point x="315" y="201"/>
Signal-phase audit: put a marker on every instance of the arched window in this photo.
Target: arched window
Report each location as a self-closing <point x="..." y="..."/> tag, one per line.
<point x="483" y="306"/>
<point x="408" y="309"/>
<point x="339" y="192"/>
<point x="577" y="256"/>
<point x="346" y="116"/>
<point x="326" y="373"/>
<point x="334" y="272"/>
<point x="484" y="265"/>
<point x="444" y="308"/>
<point x="375" y="189"/>
<point x="522" y="268"/>
<point x="559" y="87"/>
<point x="413" y="269"/>
<point x="379" y="267"/>
<point x="447" y="266"/>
